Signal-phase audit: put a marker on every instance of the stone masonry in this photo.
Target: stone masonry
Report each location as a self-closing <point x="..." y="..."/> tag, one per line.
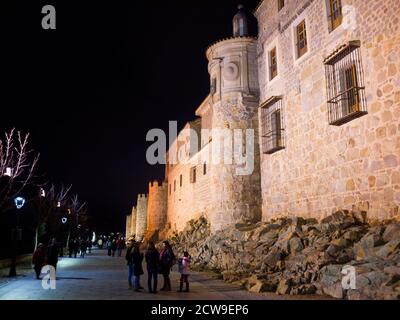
<point x="325" y="168"/>
<point x="321" y="166"/>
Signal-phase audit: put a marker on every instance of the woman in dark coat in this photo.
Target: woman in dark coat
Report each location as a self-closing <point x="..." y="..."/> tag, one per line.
<point x="167" y="260"/>
<point x="137" y="259"/>
<point x="152" y="260"/>
<point x="39" y="259"/>
<point x="52" y="253"/>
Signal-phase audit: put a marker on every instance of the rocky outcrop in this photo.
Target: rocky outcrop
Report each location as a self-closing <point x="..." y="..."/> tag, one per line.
<point x="302" y="256"/>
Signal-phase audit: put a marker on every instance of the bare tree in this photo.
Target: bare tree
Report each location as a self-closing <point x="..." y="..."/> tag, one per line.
<point x="17" y="166"/>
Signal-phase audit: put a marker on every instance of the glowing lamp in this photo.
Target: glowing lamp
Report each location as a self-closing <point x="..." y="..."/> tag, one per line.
<point x="19" y="202"/>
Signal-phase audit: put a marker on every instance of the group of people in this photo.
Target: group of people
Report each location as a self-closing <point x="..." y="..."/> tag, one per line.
<point x="115" y="245"/>
<point x="49" y="255"/>
<point x="45" y="256"/>
<point x="79" y="246"/>
<point x="156" y="263"/>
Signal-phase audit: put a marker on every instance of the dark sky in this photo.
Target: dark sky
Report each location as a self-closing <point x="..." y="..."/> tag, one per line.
<point x="89" y="91"/>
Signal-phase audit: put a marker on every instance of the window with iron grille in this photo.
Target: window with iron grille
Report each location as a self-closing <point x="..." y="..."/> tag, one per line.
<point x="335" y="14"/>
<point x="273" y="64"/>
<point x="345" y="84"/>
<point x="192" y="174"/>
<point x="301" y="39"/>
<point x="272" y="129"/>
<point x="281" y="4"/>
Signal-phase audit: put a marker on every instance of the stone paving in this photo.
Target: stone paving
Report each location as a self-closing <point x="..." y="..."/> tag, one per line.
<point x="100" y="277"/>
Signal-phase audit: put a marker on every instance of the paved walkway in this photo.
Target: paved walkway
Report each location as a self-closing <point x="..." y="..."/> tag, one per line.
<point x="99" y="276"/>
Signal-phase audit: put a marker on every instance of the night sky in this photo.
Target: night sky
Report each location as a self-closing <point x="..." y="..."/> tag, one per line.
<point x="89" y="91"/>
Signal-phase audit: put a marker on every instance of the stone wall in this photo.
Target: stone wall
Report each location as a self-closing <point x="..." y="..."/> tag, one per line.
<point x="157" y="208"/>
<point x="128" y="226"/>
<point x="133" y="221"/>
<point x="141" y="216"/>
<point x="324" y="168"/>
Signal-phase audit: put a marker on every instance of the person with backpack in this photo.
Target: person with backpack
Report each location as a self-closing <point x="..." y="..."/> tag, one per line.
<point x="167" y="260"/>
<point x="152" y="260"/>
<point x="183" y="265"/>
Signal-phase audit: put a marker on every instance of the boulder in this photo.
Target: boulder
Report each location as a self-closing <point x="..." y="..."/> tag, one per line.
<point x="388" y="249"/>
<point x="295" y="245"/>
<point x="284" y="287"/>
<point x="392" y="232"/>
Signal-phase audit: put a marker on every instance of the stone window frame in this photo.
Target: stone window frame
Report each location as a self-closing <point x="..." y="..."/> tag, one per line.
<point x="271" y="45"/>
<point x="272" y="139"/>
<point x="345" y="82"/>
<point x="297" y="60"/>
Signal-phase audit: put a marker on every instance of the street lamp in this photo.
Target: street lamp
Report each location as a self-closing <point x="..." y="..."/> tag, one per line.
<point x="19" y="203"/>
<point x="8" y="172"/>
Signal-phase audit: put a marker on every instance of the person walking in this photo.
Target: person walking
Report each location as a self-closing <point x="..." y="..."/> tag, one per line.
<point x="70" y="247"/>
<point x="109" y="243"/>
<point x="52" y="253"/>
<point x="76" y="247"/>
<point x="119" y="247"/>
<point x="100" y="243"/>
<point x="83" y="247"/>
<point x="38" y="259"/>
<point x="113" y="248"/>
<point x="89" y="245"/>
<point x="152" y="260"/>
<point x="167" y="260"/>
<point x="137" y="259"/>
<point x="183" y="264"/>
<point x="128" y="257"/>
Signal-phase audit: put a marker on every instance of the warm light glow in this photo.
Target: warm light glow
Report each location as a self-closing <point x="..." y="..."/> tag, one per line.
<point x="58" y="204"/>
<point x="8" y="172"/>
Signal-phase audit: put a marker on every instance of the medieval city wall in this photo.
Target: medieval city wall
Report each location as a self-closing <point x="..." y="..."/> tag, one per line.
<point x="323" y="167"/>
<point x="141" y="216"/>
<point x="157" y="207"/>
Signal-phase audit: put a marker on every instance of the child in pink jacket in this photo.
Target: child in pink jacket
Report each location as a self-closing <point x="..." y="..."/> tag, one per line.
<point x="183" y="264"/>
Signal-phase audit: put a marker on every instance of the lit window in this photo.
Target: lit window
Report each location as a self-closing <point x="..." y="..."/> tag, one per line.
<point x="345" y="84"/>
<point x="335" y="14"/>
<point x="273" y="64"/>
<point x="301" y="39"/>
<point x="272" y="133"/>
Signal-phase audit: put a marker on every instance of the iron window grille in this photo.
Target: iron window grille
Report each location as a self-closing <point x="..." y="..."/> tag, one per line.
<point x="273" y="64"/>
<point x="301" y="39"/>
<point x="345" y="84"/>
<point x="335" y="14"/>
<point x="272" y="129"/>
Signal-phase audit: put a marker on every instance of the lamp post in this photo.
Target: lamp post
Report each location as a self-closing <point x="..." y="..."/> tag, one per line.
<point x="19" y="203"/>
